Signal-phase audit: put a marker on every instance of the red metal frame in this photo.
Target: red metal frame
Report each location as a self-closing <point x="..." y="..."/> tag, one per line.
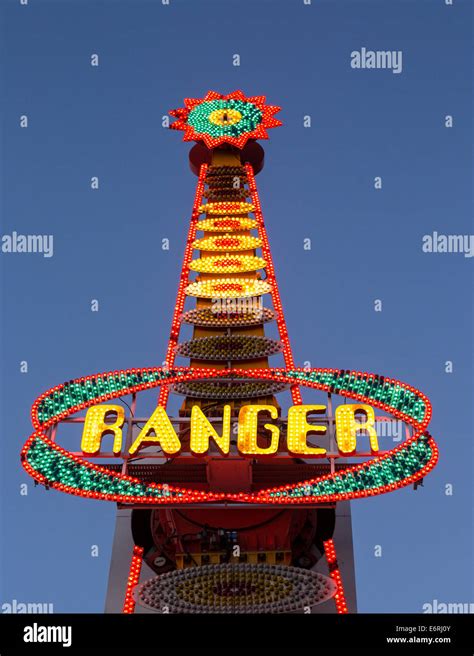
<point x="271" y="278"/>
<point x="183" y="282"/>
<point x="335" y="574"/>
<point x="132" y="580"/>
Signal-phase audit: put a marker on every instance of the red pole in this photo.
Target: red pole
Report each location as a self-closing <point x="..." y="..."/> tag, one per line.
<point x="271" y="278"/>
<point x="335" y="574"/>
<point x="133" y="578"/>
<point x="183" y="282"/>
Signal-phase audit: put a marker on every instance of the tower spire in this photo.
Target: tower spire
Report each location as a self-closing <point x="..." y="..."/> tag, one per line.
<point x="232" y="280"/>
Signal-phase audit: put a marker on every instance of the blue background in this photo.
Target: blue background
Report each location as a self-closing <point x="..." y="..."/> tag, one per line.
<point x="317" y="183"/>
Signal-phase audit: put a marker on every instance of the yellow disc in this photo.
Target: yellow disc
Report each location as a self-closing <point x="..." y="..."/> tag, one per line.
<point x="225" y="117"/>
<point x="227" y="242"/>
<point x="226" y="223"/>
<point x="227" y="264"/>
<point x="228" y="288"/>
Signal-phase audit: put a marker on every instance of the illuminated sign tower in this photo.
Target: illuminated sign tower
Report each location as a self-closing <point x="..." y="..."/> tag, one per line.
<point x="230" y="506"/>
<point x="228" y="319"/>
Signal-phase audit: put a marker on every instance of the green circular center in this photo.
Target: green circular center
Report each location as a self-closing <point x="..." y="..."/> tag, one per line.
<point x="235" y="117"/>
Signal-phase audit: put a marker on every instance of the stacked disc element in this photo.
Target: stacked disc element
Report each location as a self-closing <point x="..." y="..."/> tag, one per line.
<point x="227" y="316"/>
<point x="229" y="287"/>
<point x="226" y="207"/>
<point x="229" y="389"/>
<point x="238" y="588"/>
<point x="229" y="347"/>
<point x="226" y="223"/>
<point x="227" y="194"/>
<point x="227" y="242"/>
<point x="222" y="264"/>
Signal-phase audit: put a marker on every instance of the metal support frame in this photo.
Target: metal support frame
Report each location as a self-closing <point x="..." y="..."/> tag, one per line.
<point x="133" y="578"/>
<point x="335" y="574"/>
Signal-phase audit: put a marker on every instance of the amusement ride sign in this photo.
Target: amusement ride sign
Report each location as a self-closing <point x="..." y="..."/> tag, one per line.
<point x="230" y="410"/>
<point x="52" y="465"/>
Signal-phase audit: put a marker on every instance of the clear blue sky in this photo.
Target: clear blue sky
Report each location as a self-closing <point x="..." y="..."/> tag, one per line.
<point x="317" y="183"/>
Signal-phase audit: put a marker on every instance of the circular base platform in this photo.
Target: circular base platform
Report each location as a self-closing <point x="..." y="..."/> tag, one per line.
<point x="239" y="588"/>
